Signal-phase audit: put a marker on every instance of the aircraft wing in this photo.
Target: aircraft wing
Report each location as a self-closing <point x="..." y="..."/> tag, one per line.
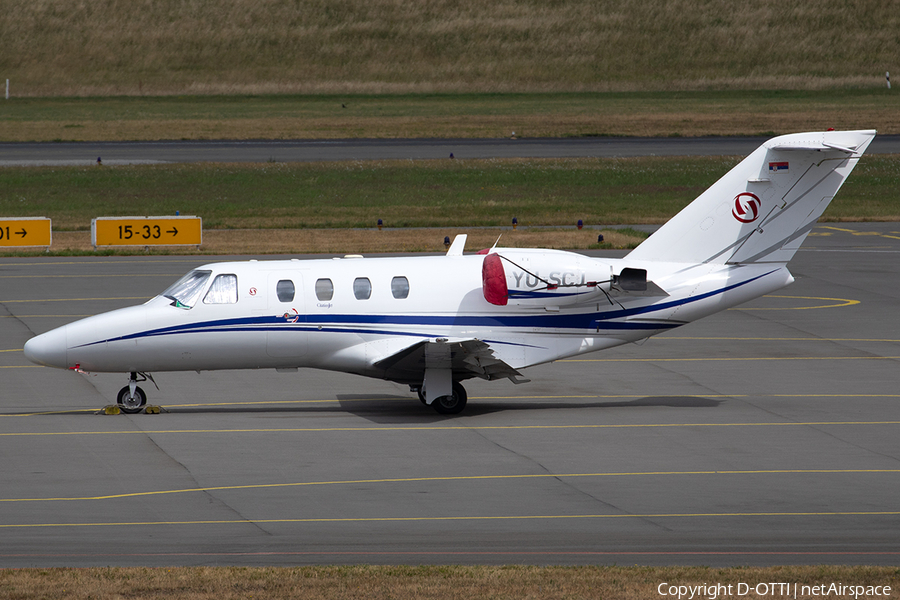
<point x="466" y="357"/>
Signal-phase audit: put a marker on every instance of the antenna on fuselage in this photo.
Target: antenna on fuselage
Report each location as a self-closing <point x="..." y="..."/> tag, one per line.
<point x="459" y="243"/>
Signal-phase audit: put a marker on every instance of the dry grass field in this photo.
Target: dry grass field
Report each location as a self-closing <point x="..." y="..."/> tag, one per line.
<point x="408" y="583"/>
<point x="354" y="241"/>
<point x="111" y="47"/>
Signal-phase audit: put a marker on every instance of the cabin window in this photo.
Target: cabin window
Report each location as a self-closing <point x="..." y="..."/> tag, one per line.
<point x="285" y="290"/>
<point x="362" y="288"/>
<point x="185" y="292"/>
<point x="324" y="289"/>
<point x="400" y="287"/>
<point x="222" y="291"/>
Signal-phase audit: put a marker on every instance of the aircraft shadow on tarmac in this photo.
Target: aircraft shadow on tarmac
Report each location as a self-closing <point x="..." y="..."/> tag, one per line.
<point x="393" y="409"/>
<point x="401" y="409"/>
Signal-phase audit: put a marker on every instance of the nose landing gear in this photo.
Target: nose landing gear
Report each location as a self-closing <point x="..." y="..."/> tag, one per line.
<point x="131" y="398"/>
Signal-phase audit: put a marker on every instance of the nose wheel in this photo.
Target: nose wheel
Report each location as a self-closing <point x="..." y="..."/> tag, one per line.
<point x="131" y="402"/>
<point x="131" y="398"/>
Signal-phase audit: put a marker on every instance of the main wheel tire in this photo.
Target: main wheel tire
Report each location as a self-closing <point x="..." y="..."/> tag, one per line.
<point x="131" y="405"/>
<point x="452" y="404"/>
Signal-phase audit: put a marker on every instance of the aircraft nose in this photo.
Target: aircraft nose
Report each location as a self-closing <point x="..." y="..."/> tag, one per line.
<point x="48" y="349"/>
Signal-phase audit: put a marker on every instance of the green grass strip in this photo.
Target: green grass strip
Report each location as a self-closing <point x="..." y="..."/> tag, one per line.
<point x="474" y="193"/>
<point x="471" y="193"/>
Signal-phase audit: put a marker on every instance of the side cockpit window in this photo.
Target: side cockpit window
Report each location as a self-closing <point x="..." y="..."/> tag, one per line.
<point x="185" y="292"/>
<point x="222" y="291"/>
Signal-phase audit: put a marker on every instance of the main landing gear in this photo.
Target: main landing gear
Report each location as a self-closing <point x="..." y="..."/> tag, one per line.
<point x="131" y="398"/>
<point x="447" y="405"/>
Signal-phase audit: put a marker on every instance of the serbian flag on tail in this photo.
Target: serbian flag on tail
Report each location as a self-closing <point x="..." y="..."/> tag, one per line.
<point x="778" y="167"/>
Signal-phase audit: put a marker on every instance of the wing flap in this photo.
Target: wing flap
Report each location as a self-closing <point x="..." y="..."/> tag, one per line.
<point x="467" y="358"/>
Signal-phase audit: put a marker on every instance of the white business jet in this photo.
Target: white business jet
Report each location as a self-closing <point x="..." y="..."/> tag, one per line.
<point x="434" y="321"/>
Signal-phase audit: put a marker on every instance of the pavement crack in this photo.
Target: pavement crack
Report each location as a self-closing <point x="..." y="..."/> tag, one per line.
<point x="212" y="498"/>
<point x="568" y="484"/>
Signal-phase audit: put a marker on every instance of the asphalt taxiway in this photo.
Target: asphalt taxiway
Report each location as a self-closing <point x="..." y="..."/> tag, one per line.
<point x="766" y="434"/>
<point x="187" y="151"/>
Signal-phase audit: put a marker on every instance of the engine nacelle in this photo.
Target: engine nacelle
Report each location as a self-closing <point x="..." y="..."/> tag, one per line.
<point x="543" y="278"/>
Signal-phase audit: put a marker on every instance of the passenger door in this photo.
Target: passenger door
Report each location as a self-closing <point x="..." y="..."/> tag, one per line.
<point x="287" y="336"/>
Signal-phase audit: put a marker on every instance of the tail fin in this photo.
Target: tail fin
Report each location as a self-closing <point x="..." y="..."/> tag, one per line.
<point x="761" y="210"/>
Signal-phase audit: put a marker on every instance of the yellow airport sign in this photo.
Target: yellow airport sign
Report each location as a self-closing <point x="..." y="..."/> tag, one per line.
<point x="27" y="231"/>
<point x="146" y="231"/>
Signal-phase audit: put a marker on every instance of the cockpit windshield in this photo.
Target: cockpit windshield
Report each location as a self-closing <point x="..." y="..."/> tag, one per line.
<point x="185" y="292"/>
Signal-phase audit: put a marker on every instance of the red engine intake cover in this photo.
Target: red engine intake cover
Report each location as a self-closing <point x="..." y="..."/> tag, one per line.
<point x="493" y="280"/>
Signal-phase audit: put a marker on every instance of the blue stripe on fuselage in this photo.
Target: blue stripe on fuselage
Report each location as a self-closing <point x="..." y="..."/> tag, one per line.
<point x="592" y="321"/>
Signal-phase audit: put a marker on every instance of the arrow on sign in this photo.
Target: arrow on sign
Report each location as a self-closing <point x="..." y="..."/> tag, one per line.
<point x="22" y="233"/>
<point x="173" y="231"/>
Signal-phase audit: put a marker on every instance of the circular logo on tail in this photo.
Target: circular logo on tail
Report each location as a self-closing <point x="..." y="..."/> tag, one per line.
<point x="746" y="207"/>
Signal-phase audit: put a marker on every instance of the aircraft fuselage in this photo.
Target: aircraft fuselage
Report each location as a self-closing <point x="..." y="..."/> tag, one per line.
<point x="347" y="314"/>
